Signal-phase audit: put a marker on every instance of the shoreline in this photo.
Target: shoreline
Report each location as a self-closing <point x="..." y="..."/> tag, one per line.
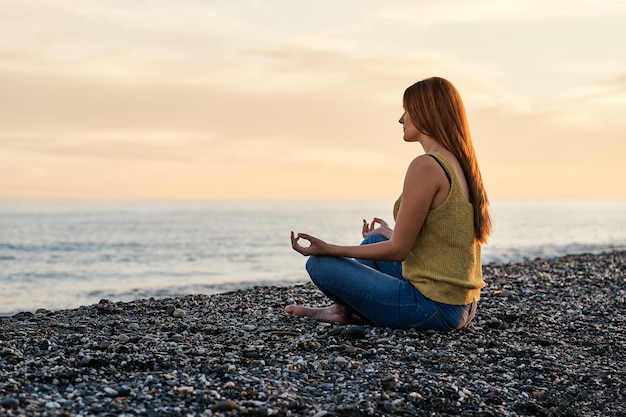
<point x="548" y="339"/>
<point x="137" y="293"/>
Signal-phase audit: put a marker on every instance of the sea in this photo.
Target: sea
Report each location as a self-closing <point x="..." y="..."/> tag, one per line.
<point x="65" y="254"/>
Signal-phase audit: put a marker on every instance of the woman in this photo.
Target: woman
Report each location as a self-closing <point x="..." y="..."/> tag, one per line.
<point x="426" y="273"/>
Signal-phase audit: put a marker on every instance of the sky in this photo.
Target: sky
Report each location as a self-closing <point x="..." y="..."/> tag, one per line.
<point x="290" y="99"/>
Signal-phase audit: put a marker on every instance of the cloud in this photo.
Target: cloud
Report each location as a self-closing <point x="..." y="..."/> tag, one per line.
<point x="611" y="90"/>
<point x="269" y="99"/>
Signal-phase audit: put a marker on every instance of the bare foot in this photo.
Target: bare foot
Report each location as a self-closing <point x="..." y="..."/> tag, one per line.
<point x="334" y="312"/>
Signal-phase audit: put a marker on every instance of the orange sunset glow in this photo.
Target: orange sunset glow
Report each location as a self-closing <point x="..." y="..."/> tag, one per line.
<point x="300" y="100"/>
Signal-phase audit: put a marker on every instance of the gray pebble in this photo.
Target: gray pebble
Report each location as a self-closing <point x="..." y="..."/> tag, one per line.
<point x="8" y="402"/>
<point x="110" y="392"/>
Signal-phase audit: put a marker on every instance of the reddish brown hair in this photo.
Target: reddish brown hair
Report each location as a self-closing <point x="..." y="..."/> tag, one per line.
<point x="436" y="109"/>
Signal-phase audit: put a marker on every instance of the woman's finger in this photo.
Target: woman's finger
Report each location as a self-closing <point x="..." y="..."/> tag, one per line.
<point x="294" y="241"/>
<point x="365" y="229"/>
<point x="380" y="221"/>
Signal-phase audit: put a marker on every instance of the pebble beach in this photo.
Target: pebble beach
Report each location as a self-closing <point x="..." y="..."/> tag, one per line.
<point x="548" y="339"/>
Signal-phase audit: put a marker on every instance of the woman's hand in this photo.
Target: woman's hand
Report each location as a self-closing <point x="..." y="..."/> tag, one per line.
<point x="383" y="228"/>
<point x="316" y="246"/>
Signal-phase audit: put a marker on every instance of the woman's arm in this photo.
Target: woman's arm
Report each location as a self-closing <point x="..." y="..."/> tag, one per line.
<point x="423" y="180"/>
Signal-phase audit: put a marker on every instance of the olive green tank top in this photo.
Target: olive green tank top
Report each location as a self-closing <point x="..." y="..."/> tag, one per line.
<point x="444" y="263"/>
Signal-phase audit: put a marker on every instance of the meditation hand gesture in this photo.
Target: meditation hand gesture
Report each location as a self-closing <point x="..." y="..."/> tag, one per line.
<point x="383" y="229"/>
<point x="316" y="246"/>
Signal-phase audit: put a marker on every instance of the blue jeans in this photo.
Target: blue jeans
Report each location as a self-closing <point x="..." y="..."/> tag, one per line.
<point x="377" y="291"/>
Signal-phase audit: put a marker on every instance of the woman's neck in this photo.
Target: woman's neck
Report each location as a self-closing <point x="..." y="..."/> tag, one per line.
<point x="431" y="145"/>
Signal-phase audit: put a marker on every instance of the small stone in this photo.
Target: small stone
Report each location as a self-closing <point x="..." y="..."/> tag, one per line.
<point x="8" y="402"/>
<point x="122" y="338"/>
<point x="415" y="395"/>
<point x="179" y="313"/>
<point x="44" y="344"/>
<point x="110" y="392"/>
<point x="177" y="338"/>
<point x="104" y="345"/>
<point x="52" y="405"/>
<point x="389" y="382"/>
<point x="354" y="332"/>
<point x="225" y="405"/>
<point x="249" y="327"/>
<point x="350" y="349"/>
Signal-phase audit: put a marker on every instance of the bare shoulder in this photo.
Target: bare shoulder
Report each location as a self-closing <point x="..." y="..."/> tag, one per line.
<point x="425" y="173"/>
<point x="425" y="185"/>
<point x="439" y="174"/>
<point x="424" y="165"/>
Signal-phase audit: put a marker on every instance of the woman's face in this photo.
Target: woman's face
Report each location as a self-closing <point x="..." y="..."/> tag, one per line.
<point x="411" y="133"/>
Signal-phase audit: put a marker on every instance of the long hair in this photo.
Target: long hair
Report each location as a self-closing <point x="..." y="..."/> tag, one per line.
<point x="436" y="110"/>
